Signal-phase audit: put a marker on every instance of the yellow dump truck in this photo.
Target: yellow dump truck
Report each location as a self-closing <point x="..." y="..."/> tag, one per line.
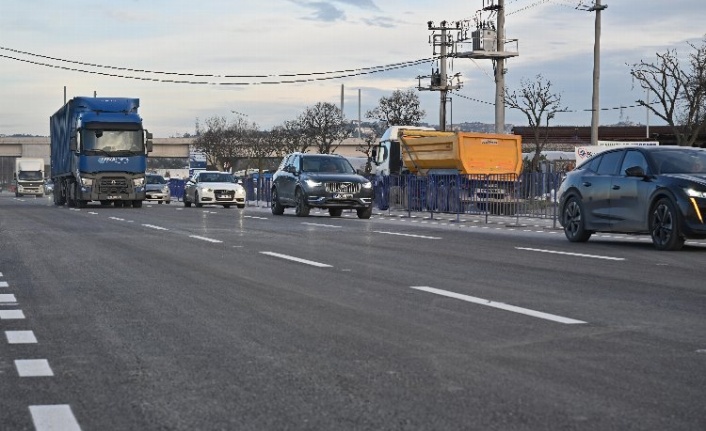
<point x="425" y="152"/>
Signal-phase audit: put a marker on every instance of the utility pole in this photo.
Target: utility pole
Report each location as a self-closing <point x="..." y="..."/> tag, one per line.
<point x="500" y="72"/>
<point x="489" y="43"/>
<point x="439" y="79"/>
<point x="595" y="101"/>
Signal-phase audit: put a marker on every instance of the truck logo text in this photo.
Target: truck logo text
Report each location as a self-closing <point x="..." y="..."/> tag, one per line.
<point x="116" y="160"/>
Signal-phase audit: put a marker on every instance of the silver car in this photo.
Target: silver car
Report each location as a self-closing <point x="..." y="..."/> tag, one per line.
<point x="157" y="189"/>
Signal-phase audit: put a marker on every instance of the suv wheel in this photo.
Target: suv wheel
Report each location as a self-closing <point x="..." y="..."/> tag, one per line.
<point x="335" y="212"/>
<point x="365" y="213"/>
<point x="302" y="209"/>
<point x="277" y="208"/>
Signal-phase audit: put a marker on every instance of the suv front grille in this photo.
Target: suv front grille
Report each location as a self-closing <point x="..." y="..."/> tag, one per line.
<point x="342" y="187"/>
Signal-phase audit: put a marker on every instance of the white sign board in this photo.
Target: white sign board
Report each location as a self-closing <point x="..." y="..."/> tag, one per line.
<point x="583" y="153"/>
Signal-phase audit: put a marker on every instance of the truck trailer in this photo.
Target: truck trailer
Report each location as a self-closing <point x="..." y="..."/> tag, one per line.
<point x="99" y="152"/>
<point x="28" y="177"/>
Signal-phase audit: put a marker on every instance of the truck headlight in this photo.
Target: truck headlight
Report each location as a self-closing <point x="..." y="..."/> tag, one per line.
<point x="138" y="182"/>
<point x="88" y="182"/>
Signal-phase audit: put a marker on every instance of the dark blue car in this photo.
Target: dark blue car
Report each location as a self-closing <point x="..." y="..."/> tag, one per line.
<point x="659" y="191"/>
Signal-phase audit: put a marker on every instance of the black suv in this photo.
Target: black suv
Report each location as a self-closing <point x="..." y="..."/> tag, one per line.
<point x="328" y="181"/>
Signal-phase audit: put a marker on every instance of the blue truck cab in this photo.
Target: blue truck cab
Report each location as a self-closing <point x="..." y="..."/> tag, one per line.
<point x="99" y="152"/>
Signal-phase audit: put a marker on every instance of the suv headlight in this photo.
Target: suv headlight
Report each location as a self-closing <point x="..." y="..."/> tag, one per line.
<point x="312" y="183"/>
<point x="367" y="185"/>
<point x="695" y="193"/>
<point x="137" y="182"/>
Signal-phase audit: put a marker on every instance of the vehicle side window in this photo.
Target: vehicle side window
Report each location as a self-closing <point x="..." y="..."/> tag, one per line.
<point x="593" y="164"/>
<point x="633" y="158"/>
<point x="295" y="161"/>
<point x="283" y="163"/>
<point x="609" y="163"/>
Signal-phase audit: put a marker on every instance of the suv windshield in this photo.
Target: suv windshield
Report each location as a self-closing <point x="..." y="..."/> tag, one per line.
<point x="326" y="164"/>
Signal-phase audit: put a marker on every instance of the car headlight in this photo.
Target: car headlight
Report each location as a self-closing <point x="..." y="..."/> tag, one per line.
<point x="206" y="189"/>
<point x="695" y="193"/>
<point x="312" y="183"/>
<point x="137" y="182"/>
<point x="88" y="182"/>
<point x="367" y="185"/>
<point x="165" y="189"/>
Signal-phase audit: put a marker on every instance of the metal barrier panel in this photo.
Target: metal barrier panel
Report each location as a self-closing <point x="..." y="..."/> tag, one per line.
<point x="176" y="188"/>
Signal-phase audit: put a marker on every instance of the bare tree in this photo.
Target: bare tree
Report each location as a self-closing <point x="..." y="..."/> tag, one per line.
<point x="400" y="109"/>
<point x="680" y="92"/>
<point x="539" y="104"/>
<point x="323" y="126"/>
<point x="370" y="140"/>
<point x="288" y="138"/>
<point x="223" y="143"/>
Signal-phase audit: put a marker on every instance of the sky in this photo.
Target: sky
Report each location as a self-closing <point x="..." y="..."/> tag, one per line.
<point x="268" y="61"/>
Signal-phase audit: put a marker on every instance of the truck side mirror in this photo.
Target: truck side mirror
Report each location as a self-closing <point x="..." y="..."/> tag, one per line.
<point x="148" y="141"/>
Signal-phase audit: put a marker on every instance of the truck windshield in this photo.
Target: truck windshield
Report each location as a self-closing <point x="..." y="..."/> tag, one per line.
<point x="29" y="176"/>
<point x="112" y="141"/>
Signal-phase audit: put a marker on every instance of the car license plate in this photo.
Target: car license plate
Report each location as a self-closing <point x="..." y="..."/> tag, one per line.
<point x="343" y="196"/>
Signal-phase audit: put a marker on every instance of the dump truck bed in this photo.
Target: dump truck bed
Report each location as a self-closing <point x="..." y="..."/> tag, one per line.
<point x="463" y="152"/>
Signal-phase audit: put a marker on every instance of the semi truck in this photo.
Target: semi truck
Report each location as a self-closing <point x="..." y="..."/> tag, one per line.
<point x="99" y="152"/>
<point x="28" y="177"/>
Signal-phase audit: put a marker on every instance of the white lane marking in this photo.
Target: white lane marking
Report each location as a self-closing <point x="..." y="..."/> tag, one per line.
<point x="566" y="253"/>
<point x="407" y="235"/>
<point x="11" y="314"/>
<point x="203" y="238"/>
<point x="92" y="213"/>
<point x="151" y="226"/>
<point x="58" y="417"/>
<point x="320" y="224"/>
<point x="20" y="337"/>
<point x="116" y="218"/>
<point x="33" y="368"/>
<point x="295" y="259"/>
<point x="8" y="297"/>
<point x="4" y="284"/>
<point x="0" y="274"/>
<point x="255" y="217"/>
<point x="499" y="305"/>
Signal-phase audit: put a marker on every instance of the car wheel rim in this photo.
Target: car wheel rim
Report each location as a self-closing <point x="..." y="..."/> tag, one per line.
<point x="572" y="218"/>
<point x="273" y="203"/>
<point x="663" y="224"/>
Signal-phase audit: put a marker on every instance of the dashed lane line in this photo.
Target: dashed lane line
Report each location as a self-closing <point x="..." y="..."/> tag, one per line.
<point x="4" y="284"/>
<point x="203" y="238"/>
<point x="8" y="297"/>
<point x="321" y="225"/>
<point x="407" y="235"/>
<point x="500" y="305"/>
<point x="296" y="259"/>
<point x="11" y="315"/>
<point x="33" y="368"/>
<point x="151" y="226"/>
<point x="566" y="253"/>
<point x="58" y="417"/>
<point x="20" y="337"/>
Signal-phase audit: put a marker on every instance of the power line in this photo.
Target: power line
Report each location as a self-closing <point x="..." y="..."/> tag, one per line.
<point x="371" y="69"/>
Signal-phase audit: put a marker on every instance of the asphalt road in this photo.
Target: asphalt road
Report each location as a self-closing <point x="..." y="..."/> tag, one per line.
<point x="173" y="318"/>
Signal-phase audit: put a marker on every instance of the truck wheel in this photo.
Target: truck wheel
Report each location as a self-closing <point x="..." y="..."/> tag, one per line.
<point x="365" y="213"/>
<point x="118" y="204"/>
<point x="137" y="204"/>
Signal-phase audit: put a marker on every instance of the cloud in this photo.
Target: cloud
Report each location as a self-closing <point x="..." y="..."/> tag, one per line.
<point x="363" y="4"/>
<point x="380" y="21"/>
<point x="323" y="11"/>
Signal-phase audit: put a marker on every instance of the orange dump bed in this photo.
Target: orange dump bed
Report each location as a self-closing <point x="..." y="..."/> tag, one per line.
<point x="465" y="152"/>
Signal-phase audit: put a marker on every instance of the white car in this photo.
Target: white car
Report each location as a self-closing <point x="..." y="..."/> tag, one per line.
<point x="213" y="188"/>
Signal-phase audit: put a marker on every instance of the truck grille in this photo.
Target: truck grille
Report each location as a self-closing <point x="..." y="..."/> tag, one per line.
<point x="112" y="185"/>
<point x="342" y="187"/>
